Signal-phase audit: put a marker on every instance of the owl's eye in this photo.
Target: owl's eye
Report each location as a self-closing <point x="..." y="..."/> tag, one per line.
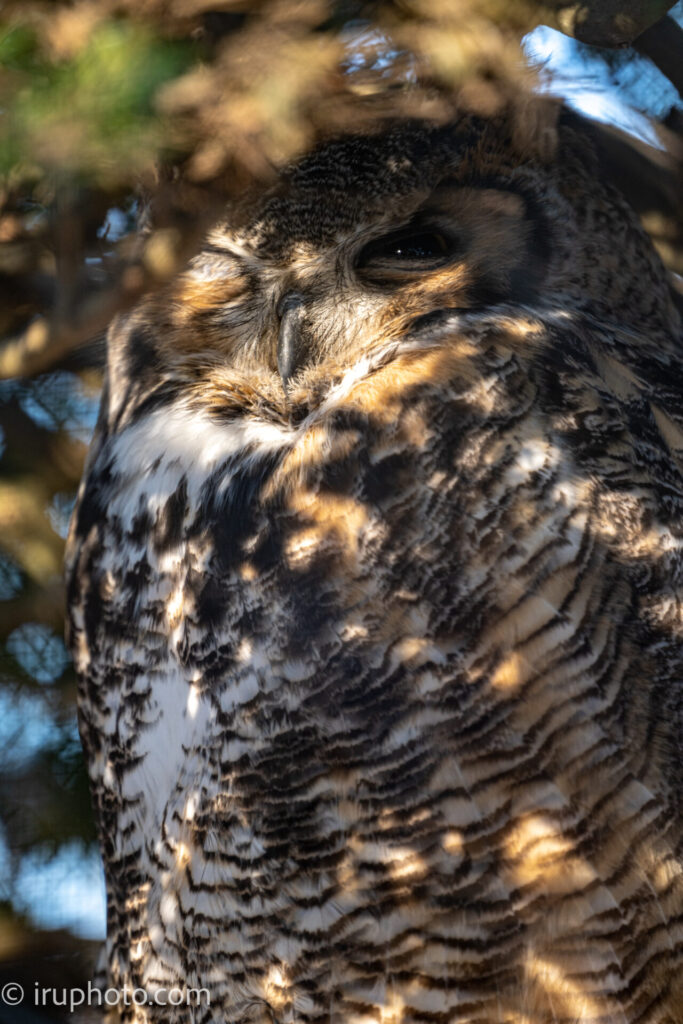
<point x="409" y="251"/>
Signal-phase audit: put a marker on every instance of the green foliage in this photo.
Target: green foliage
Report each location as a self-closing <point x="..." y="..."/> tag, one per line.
<point x="93" y="115"/>
<point x="19" y="49"/>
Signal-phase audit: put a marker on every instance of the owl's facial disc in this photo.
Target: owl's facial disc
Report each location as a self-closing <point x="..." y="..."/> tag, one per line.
<point x="302" y="290"/>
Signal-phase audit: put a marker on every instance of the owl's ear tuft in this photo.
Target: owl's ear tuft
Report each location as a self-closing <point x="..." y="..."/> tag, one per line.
<point x="534" y="127"/>
<point x="527" y="121"/>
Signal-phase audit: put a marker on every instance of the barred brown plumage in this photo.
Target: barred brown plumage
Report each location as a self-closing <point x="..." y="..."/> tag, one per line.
<point x="375" y="599"/>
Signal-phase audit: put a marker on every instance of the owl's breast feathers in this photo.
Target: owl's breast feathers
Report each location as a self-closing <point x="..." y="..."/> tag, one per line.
<point x="380" y="690"/>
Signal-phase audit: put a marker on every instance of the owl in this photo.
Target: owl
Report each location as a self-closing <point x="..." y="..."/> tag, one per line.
<point x="375" y="598"/>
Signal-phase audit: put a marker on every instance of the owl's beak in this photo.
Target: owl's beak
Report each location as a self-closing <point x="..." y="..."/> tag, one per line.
<point x="290" y="346"/>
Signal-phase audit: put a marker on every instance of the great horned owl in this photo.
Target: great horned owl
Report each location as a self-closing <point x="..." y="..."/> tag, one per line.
<point x="375" y="598"/>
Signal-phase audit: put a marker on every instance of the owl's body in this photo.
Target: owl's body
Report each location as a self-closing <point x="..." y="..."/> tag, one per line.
<point x="375" y="595"/>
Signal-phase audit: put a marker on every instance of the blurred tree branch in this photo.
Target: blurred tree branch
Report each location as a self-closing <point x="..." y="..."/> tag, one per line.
<point x="49" y="339"/>
<point x="662" y="43"/>
<point x="605" y="22"/>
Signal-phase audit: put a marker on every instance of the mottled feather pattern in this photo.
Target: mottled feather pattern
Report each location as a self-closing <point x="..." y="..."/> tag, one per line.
<point x="380" y="669"/>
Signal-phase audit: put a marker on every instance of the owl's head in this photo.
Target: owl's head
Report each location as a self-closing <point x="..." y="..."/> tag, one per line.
<point x="371" y="239"/>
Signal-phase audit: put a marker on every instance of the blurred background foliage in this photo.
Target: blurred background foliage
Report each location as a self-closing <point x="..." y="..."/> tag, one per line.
<point x="125" y="128"/>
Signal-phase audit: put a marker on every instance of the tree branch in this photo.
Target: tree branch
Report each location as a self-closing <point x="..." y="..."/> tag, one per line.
<point x="663" y="44"/>
<point x="45" y="342"/>
<point x="611" y="23"/>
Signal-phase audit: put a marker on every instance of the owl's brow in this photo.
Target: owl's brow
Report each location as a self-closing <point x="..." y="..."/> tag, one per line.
<point x="223" y="258"/>
<point x="217" y="249"/>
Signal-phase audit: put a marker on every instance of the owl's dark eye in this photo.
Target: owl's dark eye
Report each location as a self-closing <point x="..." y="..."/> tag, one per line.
<point x="416" y="249"/>
<point x="427" y="245"/>
<point x="406" y="252"/>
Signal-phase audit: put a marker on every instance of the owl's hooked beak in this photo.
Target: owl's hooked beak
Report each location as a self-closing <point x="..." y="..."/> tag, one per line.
<point x="290" y="346"/>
